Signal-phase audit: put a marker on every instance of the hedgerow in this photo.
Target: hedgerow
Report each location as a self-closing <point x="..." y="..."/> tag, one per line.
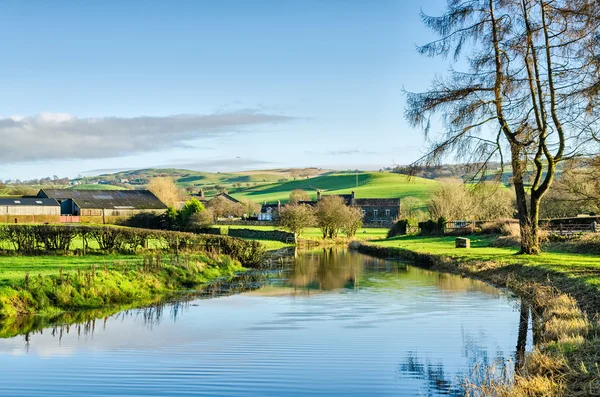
<point x="53" y="239"/>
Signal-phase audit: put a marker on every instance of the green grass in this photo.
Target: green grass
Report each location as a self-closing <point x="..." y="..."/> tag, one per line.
<point x="48" y="285"/>
<point x="584" y="267"/>
<point x="14" y="268"/>
<point x="370" y="185"/>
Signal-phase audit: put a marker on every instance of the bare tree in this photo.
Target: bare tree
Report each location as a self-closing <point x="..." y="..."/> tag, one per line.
<point x="409" y="207"/>
<point x="331" y="215"/>
<point x="527" y="90"/>
<point x="166" y="190"/>
<point x="298" y="195"/>
<point x="353" y="220"/>
<point x="296" y="218"/>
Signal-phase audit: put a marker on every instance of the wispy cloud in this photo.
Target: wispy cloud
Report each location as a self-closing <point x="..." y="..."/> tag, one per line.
<point x="349" y="152"/>
<point x="50" y="136"/>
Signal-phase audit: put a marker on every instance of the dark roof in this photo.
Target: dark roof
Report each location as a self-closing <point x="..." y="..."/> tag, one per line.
<point x="107" y="199"/>
<point x="228" y="197"/>
<point x="379" y="202"/>
<point x="41" y="202"/>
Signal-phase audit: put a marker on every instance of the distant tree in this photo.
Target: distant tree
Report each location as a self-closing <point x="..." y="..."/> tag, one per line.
<point x="298" y="195"/>
<point x="452" y="200"/>
<point x="409" y="206"/>
<point x="296" y="218"/>
<point x="223" y="207"/>
<point x="492" y="201"/>
<point x="249" y="207"/>
<point x="331" y="215"/>
<point x="455" y="200"/>
<point x="353" y="220"/>
<point x="166" y="190"/>
<point x="201" y="220"/>
<point x="190" y="189"/>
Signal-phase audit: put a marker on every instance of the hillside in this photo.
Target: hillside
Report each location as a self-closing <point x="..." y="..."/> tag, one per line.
<point x="370" y="185"/>
<point x="209" y="181"/>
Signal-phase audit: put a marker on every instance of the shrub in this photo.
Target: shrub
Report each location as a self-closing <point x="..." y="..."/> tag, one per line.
<point x="399" y="228"/>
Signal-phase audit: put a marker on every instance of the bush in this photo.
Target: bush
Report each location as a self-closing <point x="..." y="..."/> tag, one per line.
<point x="400" y="228"/>
<point x="433" y="228"/>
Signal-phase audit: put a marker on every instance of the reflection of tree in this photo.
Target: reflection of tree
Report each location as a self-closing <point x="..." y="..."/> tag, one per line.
<point x="331" y="268"/>
<point x="434" y="375"/>
<point x="478" y="368"/>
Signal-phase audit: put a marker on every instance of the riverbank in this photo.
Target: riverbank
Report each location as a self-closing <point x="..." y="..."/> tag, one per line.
<point x="50" y="285"/>
<point x="558" y="283"/>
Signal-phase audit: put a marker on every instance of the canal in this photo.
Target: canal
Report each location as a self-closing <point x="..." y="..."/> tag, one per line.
<point x="327" y="322"/>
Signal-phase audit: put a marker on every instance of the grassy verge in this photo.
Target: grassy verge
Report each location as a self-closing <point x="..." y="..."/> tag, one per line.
<point x="49" y="285"/>
<point x="558" y="283"/>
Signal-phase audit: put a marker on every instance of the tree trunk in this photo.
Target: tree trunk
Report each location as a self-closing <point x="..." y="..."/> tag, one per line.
<point x="528" y="216"/>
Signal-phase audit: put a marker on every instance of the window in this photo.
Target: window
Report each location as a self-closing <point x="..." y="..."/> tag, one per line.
<point x="387" y="212"/>
<point x="17" y="202"/>
<point x="364" y="212"/>
<point x="375" y="213"/>
<point x="38" y="202"/>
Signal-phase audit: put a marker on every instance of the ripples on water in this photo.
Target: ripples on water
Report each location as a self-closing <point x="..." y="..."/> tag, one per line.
<point x="333" y="322"/>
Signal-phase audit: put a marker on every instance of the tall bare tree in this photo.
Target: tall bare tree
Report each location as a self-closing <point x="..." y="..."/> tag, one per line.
<point x="523" y="90"/>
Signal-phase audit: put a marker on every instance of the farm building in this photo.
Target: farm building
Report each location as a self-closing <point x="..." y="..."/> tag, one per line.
<point x="28" y="210"/>
<point x="381" y="211"/>
<point x="103" y="205"/>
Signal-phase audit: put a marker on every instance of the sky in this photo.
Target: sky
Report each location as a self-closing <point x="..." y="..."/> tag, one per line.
<point x="90" y="87"/>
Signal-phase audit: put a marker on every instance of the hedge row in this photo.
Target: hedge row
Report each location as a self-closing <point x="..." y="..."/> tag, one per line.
<point x="34" y="239"/>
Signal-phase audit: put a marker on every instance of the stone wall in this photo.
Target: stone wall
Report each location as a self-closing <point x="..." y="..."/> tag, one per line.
<point x="246" y="223"/>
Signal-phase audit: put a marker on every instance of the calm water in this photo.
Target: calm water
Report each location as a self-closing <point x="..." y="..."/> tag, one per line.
<point x="334" y="322"/>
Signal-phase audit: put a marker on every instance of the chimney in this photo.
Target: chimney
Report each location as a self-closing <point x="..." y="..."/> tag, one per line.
<point x="353" y="195"/>
<point x="201" y="193"/>
<point x="318" y="195"/>
<point x="278" y="205"/>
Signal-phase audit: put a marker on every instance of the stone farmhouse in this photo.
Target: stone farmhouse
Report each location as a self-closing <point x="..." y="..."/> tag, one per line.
<point x="381" y="211"/>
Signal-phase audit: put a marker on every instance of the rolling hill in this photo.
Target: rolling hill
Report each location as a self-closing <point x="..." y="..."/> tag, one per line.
<point x="273" y="185"/>
<point x="370" y="185"/>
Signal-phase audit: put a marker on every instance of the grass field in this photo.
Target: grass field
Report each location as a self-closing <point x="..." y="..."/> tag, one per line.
<point x="370" y="185"/>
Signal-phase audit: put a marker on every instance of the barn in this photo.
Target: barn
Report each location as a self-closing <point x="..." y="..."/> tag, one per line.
<point x="103" y="206"/>
<point x="29" y="210"/>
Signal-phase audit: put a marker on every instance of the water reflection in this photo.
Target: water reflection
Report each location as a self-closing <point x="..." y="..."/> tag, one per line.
<point x="324" y="322"/>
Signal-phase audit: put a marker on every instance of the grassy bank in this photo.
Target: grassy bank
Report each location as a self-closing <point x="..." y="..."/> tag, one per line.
<point x="558" y="283"/>
<point x="48" y="285"/>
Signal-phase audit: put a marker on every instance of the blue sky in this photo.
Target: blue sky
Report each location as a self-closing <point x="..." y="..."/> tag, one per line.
<point x="210" y="85"/>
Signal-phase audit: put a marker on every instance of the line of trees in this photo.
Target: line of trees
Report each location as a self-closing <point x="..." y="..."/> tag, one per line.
<point x="331" y="215"/>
